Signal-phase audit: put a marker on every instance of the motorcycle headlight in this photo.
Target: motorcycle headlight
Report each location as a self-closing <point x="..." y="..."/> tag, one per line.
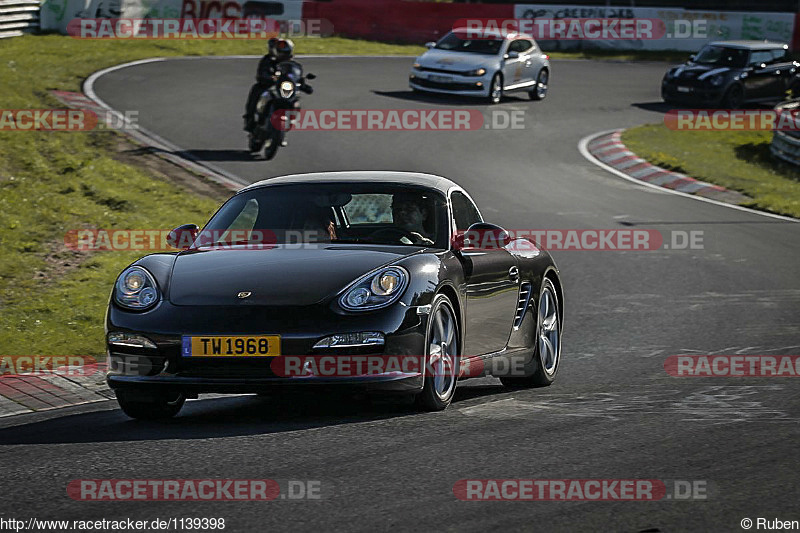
<point x="136" y="289"/>
<point x="375" y="290"/>
<point x="286" y="89"/>
<point x="716" y="81"/>
<point x="476" y="72"/>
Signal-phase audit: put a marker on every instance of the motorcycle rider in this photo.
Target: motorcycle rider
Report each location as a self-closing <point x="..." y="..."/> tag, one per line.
<point x="278" y="51"/>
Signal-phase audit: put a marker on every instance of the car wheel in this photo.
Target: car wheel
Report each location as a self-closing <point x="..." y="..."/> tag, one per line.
<point x="155" y="407"/>
<point x="547" y="350"/>
<point x="734" y="98"/>
<point x="496" y="89"/>
<point x="441" y="352"/>
<point x="540" y="92"/>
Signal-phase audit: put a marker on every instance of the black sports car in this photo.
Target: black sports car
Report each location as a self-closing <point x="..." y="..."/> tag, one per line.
<point x="731" y="73"/>
<point x="368" y="264"/>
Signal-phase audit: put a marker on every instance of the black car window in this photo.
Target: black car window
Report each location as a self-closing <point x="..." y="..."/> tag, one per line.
<point x="455" y="43"/>
<point x="374" y="213"/>
<point x="759" y="57"/>
<point x="779" y="55"/>
<point x="520" y="46"/>
<point x="464" y="211"/>
<point x="722" y="56"/>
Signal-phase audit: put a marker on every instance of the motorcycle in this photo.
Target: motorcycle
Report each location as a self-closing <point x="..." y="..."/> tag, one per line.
<point x="272" y="119"/>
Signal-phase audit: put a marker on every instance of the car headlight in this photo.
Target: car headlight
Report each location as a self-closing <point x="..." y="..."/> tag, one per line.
<point x="136" y="289"/>
<point x="416" y="66"/>
<point x="476" y="72"/>
<point x="716" y="81"/>
<point x="286" y="89"/>
<point x="375" y="290"/>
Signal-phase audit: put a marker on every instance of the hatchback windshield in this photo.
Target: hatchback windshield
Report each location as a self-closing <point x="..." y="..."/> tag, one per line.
<point x="722" y="56"/>
<point x="355" y="213"/>
<point x="454" y="43"/>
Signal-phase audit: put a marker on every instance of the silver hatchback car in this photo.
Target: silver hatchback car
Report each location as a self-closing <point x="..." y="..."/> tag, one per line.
<point x="488" y="66"/>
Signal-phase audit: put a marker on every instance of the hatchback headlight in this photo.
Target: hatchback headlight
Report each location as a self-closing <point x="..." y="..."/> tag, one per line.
<point x="375" y="290"/>
<point x="476" y="72"/>
<point x="136" y="289"/>
<point x="286" y="89"/>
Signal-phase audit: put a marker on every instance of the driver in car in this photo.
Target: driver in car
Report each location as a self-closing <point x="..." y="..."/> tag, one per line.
<point x="412" y="215"/>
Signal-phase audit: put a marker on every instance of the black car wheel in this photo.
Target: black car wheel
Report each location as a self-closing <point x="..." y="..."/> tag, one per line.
<point x="496" y="89"/>
<point x="441" y="351"/>
<point x="547" y="350"/>
<point x="734" y="98"/>
<point x="540" y="91"/>
<point x="154" y="407"/>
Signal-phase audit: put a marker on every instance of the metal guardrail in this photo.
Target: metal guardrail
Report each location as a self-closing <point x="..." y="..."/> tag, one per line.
<point x="18" y="17"/>
<point x="786" y="144"/>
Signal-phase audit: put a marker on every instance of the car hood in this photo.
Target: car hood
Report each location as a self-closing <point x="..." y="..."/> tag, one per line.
<point x="696" y="71"/>
<point x="284" y="275"/>
<point x="446" y="60"/>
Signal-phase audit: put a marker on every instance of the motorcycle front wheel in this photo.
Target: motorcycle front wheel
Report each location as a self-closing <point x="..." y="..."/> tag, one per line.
<point x="273" y="144"/>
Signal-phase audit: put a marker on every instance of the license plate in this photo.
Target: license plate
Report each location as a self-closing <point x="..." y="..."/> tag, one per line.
<point x="441" y="79"/>
<point x="238" y="346"/>
<point x="684" y="89"/>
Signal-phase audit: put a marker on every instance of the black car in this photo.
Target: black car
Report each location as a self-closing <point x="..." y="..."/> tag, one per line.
<point x="378" y="264"/>
<point x="729" y="74"/>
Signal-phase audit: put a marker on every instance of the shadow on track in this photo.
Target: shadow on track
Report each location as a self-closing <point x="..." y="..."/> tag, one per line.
<point x="445" y="99"/>
<point x="228" y="417"/>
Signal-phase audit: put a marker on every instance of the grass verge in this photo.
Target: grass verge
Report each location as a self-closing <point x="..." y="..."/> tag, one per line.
<point x="52" y="300"/>
<point x="736" y="160"/>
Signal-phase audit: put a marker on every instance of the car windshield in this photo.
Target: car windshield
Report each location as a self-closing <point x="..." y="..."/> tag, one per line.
<point x="722" y="56"/>
<point x="356" y="213"/>
<point x="454" y="43"/>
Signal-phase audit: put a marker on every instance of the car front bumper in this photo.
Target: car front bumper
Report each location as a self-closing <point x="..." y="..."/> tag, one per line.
<point x="685" y="92"/>
<point x="166" y="368"/>
<point x="464" y="85"/>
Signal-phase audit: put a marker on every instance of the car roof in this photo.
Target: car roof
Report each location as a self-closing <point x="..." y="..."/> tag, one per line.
<point x="499" y="34"/>
<point x="750" y="45"/>
<point x="362" y="176"/>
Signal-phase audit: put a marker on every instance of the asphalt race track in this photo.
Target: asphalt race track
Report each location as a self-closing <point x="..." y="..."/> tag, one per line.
<point x="613" y="413"/>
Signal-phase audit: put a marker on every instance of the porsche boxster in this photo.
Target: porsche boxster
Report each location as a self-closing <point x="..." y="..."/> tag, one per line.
<point x="336" y="265"/>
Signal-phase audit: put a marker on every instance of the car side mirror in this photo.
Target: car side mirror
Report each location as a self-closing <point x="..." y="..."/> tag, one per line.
<point x="482" y="236"/>
<point x="183" y="237"/>
<point x="691" y="58"/>
<point x="430" y="45"/>
<point x="512" y="55"/>
<point x="311" y="76"/>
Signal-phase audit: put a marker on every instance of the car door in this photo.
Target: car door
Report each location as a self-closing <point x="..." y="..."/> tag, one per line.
<point x="491" y="286"/>
<point x="787" y="72"/>
<point x="531" y="60"/>
<point x="514" y="69"/>
<point x="764" y="80"/>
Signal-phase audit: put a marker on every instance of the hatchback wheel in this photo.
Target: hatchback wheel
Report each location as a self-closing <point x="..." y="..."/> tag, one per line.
<point x="540" y="91"/>
<point x="496" y="89"/>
